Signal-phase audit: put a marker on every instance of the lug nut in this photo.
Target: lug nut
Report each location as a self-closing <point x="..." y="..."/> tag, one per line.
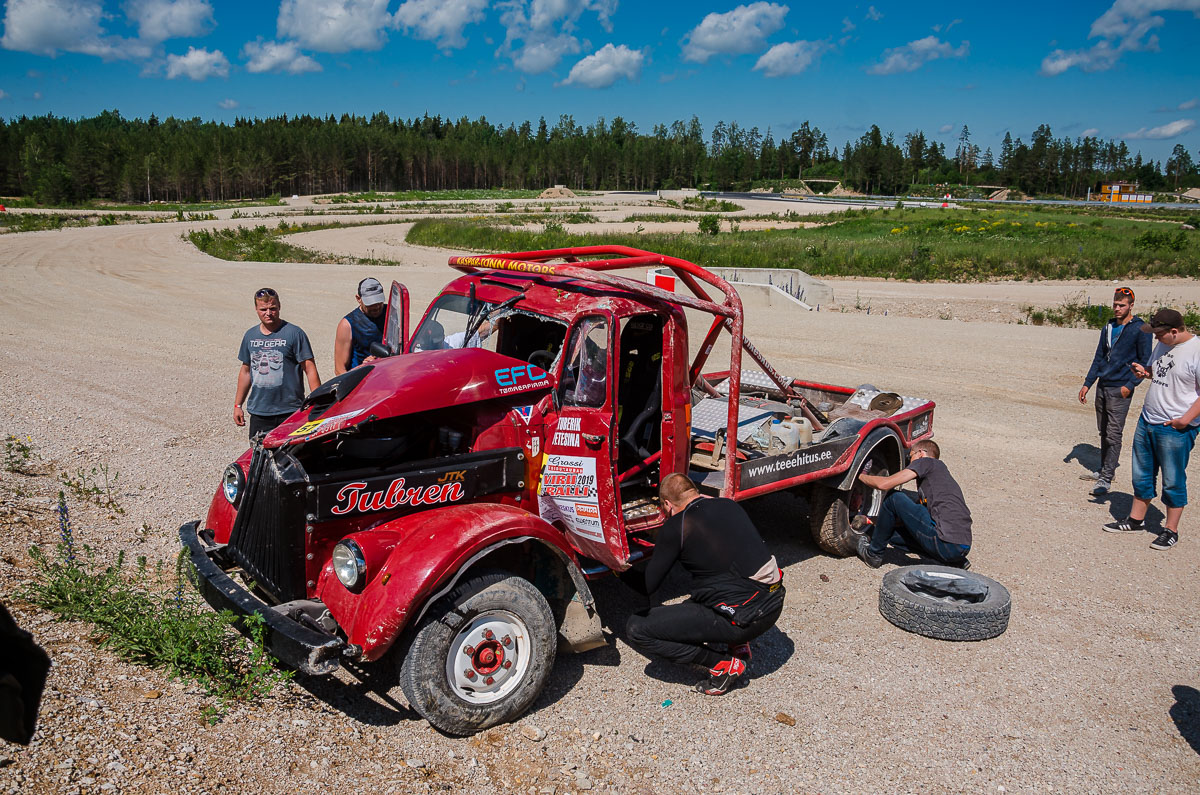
<point x="489" y="681"/>
<point x="508" y="664"/>
<point x="488" y="634"/>
<point x="507" y="641"/>
<point x="469" y="673"/>
<point x="469" y="650"/>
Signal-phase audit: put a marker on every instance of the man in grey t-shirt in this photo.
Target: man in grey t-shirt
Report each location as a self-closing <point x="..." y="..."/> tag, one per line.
<point x="273" y="354"/>
<point x="934" y="522"/>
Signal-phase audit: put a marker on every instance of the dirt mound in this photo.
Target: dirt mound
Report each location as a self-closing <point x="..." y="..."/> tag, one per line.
<point x="839" y="190"/>
<point x="557" y="192"/>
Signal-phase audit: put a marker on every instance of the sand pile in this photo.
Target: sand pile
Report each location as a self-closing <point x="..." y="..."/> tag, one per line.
<point x="557" y="192"/>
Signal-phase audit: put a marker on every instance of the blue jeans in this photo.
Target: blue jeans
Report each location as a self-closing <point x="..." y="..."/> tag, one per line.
<point x="902" y="515"/>
<point x="1162" y="447"/>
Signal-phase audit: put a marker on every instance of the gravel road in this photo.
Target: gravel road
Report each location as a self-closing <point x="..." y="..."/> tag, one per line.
<point x="117" y="346"/>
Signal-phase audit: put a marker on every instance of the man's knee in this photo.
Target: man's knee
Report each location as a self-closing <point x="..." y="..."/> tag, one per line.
<point x="635" y="628"/>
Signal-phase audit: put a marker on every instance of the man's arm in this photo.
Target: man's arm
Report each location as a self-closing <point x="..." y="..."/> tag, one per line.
<point x="341" y="347"/>
<point x="310" y="371"/>
<point x="1094" y="371"/>
<point x="239" y="396"/>
<point x="1189" y="416"/>
<point x="889" y="482"/>
<point x="666" y="552"/>
<point x="1142" y="350"/>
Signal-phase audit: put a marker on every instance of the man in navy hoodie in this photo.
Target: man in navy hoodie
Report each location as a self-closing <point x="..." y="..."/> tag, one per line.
<point x="1120" y="346"/>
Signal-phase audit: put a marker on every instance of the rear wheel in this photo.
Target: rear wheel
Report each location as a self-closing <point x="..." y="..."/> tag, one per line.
<point x="832" y="509"/>
<point x="481" y="656"/>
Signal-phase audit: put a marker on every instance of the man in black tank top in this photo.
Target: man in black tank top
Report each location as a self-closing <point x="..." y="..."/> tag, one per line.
<point x="737" y="587"/>
<point x="357" y="330"/>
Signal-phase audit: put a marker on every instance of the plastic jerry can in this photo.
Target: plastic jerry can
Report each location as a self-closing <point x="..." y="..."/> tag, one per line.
<point x="787" y="435"/>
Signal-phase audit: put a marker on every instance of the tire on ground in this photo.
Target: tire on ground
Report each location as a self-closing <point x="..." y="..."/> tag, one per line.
<point x="438" y="645"/>
<point x="945" y="618"/>
<point x="832" y="509"/>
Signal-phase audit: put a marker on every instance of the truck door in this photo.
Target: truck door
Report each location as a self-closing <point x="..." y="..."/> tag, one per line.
<point x="395" y="322"/>
<point x="578" y="485"/>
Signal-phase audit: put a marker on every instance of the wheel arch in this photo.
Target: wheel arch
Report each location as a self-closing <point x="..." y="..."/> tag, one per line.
<point x="887" y="442"/>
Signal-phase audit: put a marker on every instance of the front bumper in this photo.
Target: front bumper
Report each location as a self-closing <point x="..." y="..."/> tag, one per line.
<point x="306" y="649"/>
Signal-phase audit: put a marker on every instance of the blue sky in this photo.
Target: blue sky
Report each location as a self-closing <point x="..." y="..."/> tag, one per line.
<point x="1125" y="71"/>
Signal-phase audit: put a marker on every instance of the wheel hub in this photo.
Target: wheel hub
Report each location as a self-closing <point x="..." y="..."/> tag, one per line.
<point x="489" y="657"/>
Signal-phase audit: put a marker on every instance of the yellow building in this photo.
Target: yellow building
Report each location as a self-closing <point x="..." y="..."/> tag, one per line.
<point x="1123" y="192"/>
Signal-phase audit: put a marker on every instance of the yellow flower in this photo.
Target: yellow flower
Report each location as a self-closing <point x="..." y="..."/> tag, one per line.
<point x="896" y="230"/>
<point x="1015" y="223"/>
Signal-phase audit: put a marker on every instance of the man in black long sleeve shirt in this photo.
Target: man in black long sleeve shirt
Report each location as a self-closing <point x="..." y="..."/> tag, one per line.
<point x="737" y="593"/>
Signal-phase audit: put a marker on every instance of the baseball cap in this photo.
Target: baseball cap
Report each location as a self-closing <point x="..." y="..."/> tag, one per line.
<point x="1163" y="320"/>
<point x="370" y="291"/>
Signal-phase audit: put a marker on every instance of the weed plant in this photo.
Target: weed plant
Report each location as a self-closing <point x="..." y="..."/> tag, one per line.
<point x="915" y="244"/>
<point x="20" y="455"/>
<point x="433" y="195"/>
<point x="146" y="616"/>
<point x="87" y="486"/>
<point x="1077" y="312"/>
<point x="257" y="244"/>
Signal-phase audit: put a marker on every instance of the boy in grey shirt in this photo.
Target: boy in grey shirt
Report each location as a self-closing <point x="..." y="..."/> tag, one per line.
<point x="273" y="354"/>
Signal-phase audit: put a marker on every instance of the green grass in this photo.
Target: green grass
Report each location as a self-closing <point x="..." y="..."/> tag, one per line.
<point x="169" y="207"/>
<point x="258" y="243"/>
<point x="146" y="616"/>
<point x="1078" y="312"/>
<point x="916" y="244"/>
<point x="433" y="195"/>
<point x="40" y="222"/>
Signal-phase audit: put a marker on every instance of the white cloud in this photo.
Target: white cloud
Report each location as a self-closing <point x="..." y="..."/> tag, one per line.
<point x="1125" y="27"/>
<point x="4" y="94"/>
<point x="1171" y="130"/>
<point x="915" y="54"/>
<point x="44" y="27"/>
<point x="945" y="128"/>
<point x="542" y="56"/>
<point x="441" y="21"/>
<point x="789" y="58"/>
<point x="847" y="25"/>
<point x="198" y="64"/>
<point x="873" y="14"/>
<point x="1189" y="105"/>
<point x="742" y="30"/>
<point x="538" y="33"/>
<point x="334" y="25"/>
<point x="1090" y="132"/>
<point x="227" y="104"/>
<point x="277" y="56"/>
<point x="159" y="20"/>
<point x="606" y="66"/>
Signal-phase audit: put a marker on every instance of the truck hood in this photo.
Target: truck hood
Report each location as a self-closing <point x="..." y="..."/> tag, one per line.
<point x="409" y="384"/>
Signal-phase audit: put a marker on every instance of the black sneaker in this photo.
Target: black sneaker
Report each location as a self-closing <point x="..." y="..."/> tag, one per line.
<point x="963" y="564"/>
<point x="1125" y="526"/>
<point x="864" y="552"/>
<point x="1166" y="539"/>
<point x="723" y="678"/>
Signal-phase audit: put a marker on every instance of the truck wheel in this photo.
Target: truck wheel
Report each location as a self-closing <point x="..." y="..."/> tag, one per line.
<point x="481" y="655"/>
<point x="944" y="603"/>
<point x="832" y="509"/>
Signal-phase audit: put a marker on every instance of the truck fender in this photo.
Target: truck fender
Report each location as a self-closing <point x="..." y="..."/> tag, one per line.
<point x="413" y="560"/>
<point x="884" y="439"/>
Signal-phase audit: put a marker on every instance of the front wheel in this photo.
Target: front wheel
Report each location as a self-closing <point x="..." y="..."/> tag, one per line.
<point x="481" y="655"/>
<point x="832" y="509"/>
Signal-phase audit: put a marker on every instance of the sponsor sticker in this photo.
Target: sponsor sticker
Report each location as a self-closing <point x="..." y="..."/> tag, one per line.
<point x="524" y="412"/>
<point x="920" y="426"/>
<point x="568" y="492"/>
<point x="325" y="424"/>
<point x="520" y="378"/>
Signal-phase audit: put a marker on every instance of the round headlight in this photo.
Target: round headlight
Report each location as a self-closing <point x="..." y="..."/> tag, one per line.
<point x="349" y="564"/>
<point x="232" y="483"/>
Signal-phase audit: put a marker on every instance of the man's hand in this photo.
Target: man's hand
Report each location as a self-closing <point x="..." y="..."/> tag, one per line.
<point x="1083" y="390"/>
<point x="368" y="360"/>
<point x="1139" y="371"/>
<point x="239" y="418"/>
<point x="1178" y="424"/>
<point x="1126" y="391"/>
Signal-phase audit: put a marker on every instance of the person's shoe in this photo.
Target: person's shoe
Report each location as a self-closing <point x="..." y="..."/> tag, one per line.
<point x="1124" y="526"/>
<point x="1090" y="476"/>
<point x="1101" y="488"/>
<point x="864" y="552"/>
<point x="741" y="651"/>
<point x="1166" y="539"/>
<point x="963" y="564"/>
<point x="723" y="678"/>
<point x="860" y="523"/>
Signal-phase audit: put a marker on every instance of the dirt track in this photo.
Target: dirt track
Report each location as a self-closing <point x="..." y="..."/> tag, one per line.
<point x="117" y="345"/>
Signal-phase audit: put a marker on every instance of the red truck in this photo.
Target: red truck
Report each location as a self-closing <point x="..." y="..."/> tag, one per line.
<point x="446" y="505"/>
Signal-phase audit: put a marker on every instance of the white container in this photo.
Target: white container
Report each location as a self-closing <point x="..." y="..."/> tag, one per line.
<point x="787" y="435"/>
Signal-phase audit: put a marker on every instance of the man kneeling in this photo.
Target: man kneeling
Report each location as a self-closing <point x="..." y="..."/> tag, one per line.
<point x="737" y="586"/>
<point x="934" y="522"/>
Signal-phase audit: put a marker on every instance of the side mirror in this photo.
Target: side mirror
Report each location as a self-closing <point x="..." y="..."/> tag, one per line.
<point x="379" y="350"/>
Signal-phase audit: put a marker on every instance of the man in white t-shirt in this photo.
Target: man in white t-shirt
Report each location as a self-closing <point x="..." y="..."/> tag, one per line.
<point x="1166" y="431"/>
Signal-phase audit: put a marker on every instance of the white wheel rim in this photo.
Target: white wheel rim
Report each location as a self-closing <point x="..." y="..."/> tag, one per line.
<point x="488" y="659"/>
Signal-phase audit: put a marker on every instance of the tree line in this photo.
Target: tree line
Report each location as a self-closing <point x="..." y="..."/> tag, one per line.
<point x="59" y="160"/>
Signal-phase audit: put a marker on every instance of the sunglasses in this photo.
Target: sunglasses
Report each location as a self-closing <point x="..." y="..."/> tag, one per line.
<point x="266" y="292"/>
<point x="1124" y="291"/>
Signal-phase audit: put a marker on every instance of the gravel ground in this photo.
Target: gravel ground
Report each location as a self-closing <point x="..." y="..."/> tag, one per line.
<point x="117" y="346"/>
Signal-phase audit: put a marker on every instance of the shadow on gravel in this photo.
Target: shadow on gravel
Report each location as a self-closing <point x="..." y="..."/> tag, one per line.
<point x="366" y="699"/>
<point x="1088" y="456"/>
<point x="1119" y="504"/>
<point x="771" y="650"/>
<point x="1186" y="714"/>
<point x="782" y="520"/>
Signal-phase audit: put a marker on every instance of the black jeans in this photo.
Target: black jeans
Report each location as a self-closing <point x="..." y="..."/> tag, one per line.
<point x="1111" y="410"/>
<point x="679" y="632"/>
<point x="265" y="423"/>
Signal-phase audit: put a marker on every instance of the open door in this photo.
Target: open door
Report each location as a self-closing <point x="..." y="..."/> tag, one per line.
<point x="395" y="322"/>
<point x="578" y="485"/>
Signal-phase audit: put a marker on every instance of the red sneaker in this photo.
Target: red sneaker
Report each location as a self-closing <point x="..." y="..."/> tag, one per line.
<point x="741" y="651"/>
<point x="722" y="678"/>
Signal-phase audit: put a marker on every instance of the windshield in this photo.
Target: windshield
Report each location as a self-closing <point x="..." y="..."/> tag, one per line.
<point x="445" y="326"/>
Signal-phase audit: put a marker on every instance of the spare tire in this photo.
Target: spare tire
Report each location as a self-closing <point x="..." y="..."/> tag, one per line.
<point x="944" y="603"/>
